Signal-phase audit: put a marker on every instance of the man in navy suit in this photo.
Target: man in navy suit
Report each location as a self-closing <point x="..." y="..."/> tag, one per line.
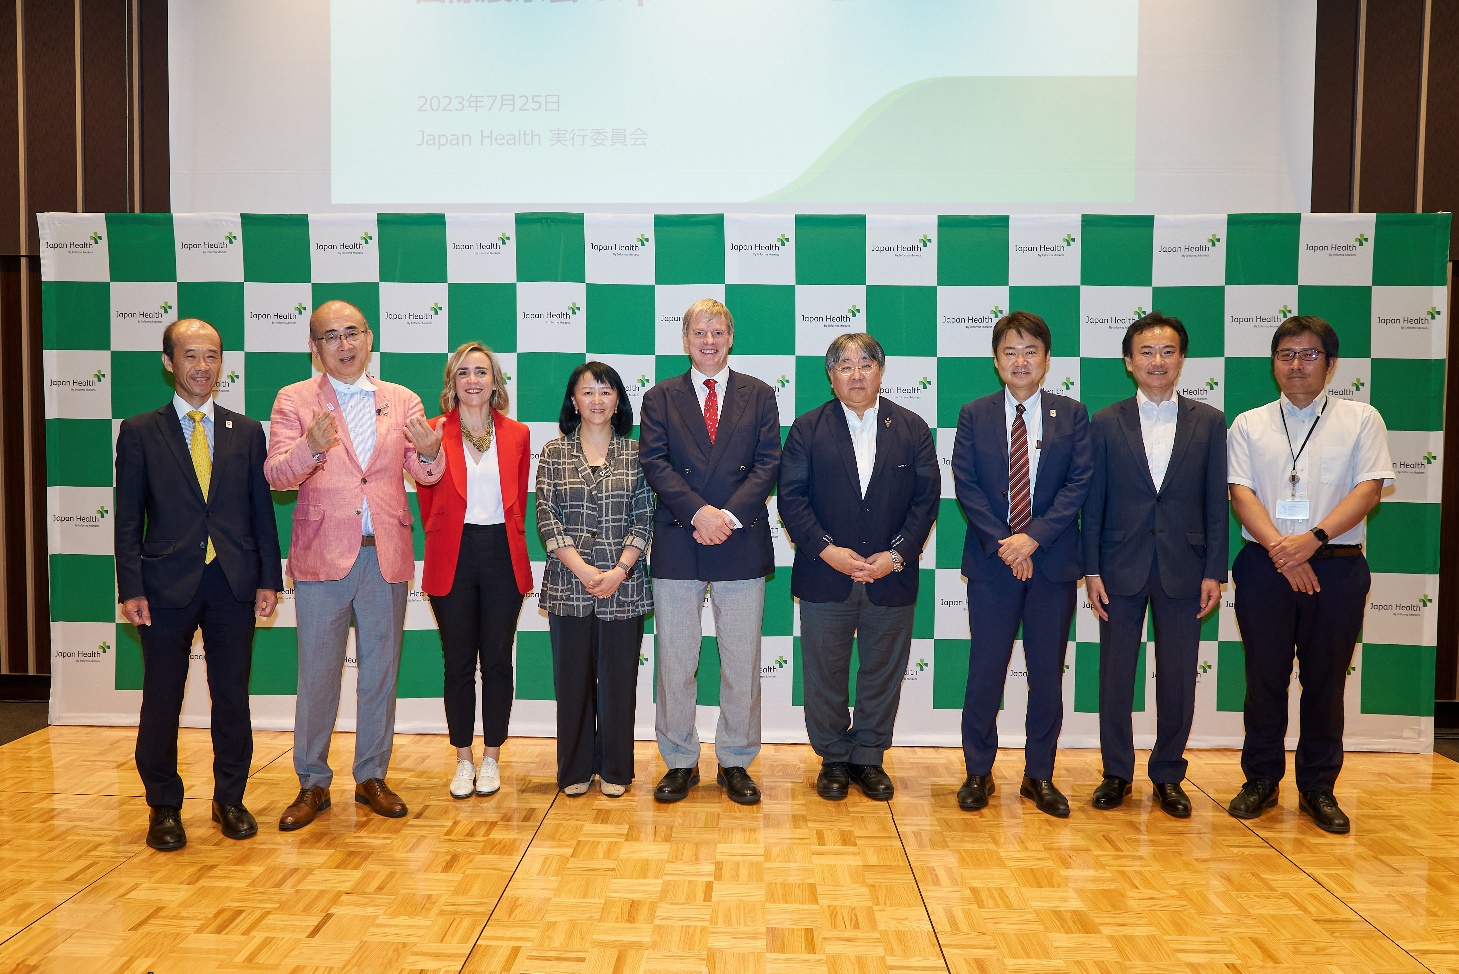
<point x="196" y="545"/>
<point x="1021" y="463"/>
<point x="709" y="442"/>
<point x="1154" y="532"/>
<point x="858" y="494"/>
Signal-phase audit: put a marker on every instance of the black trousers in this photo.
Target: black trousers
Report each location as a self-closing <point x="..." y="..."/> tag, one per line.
<point x="227" y="626"/>
<point x="478" y="623"/>
<point x="1321" y="631"/>
<point x="1177" y="648"/>
<point x="595" y="676"/>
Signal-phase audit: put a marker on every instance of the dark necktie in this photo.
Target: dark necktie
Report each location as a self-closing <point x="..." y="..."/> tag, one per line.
<point x="1020" y="510"/>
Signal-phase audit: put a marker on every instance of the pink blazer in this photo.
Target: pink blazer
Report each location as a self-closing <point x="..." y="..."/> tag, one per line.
<point x="326" y="529"/>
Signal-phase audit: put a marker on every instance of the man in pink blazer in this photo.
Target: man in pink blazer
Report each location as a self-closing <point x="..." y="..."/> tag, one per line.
<point x="342" y="439"/>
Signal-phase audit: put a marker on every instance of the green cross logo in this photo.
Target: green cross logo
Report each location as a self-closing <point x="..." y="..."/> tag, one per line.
<point x="502" y="237"/>
<point x="1066" y="667"/>
<point x="102" y="511"/>
<point x="1205" y="666"/>
<point x="573" y="307"/>
<point x="642" y="239"/>
<point x="1067" y="384"/>
<point x="1424" y="600"/>
<point x="365" y="237"/>
<point x="165" y="306"/>
<point x="1284" y="311"/>
<point x="1351" y="670"/>
<point x="1361" y="240"/>
<point x="921" y="665"/>
<point x="1213" y="240"/>
<point x="104" y="646"/>
<point x="1433" y="312"/>
<point x="642" y="381"/>
<point x="853" y="311"/>
<point x="95" y="237"/>
<point x="506" y="375"/>
<point x="780" y="662"/>
<point x="1430" y="457"/>
<point x="1358" y="384"/>
<point x="98" y="375"/>
<point x="1068" y="239"/>
<point x="435" y="307"/>
<point x="1212" y="383"/>
<point x="783" y="381"/>
<point x="924" y="382"/>
<point x="996" y="311"/>
<point x="232" y="376"/>
<point x="299" y="308"/>
<point x="1139" y="311"/>
<point x="642" y="660"/>
<point x="924" y="240"/>
<point x="782" y="240"/>
<point x="230" y="236"/>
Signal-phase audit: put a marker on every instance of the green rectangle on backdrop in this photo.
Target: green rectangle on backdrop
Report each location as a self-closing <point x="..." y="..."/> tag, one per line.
<point x="1262" y="248"/>
<point x="1117" y="250"/>
<point x="1408" y="393"/>
<point x="1230" y="677"/>
<point x="1397" y="679"/>
<point x="1403" y="538"/>
<point x="959" y="382"/>
<point x="275" y="661"/>
<point x="621" y="318"/>
<point x="83" y="588"/>
<point x="127" y="672"/>
<point x="1411" y="249"/>
<point x="485" y="313"/>
<point x="1349" y="310"/>
<point x="140" y="247"/>
<point x="972" y="250"/>
<point x="550" y="247"/>
<point x="422" y="674"/>
<point x="925" y="616"/>
<point x="420" y="372"/>
<point x="1086" y="678"/>
<point x="812" y="385"/>
<point x="268" y="372"/>
<point x="1058" y="305"/>
<point x="79" y="452"/>
<point x="220" y="304"/>
<point x="139" y="383"/>
<point x="285" y="501"/>
<point x="364" y="295"/>
<point x="689" y="248"/>
<point x="779" y="614"/>
<point x="1203" y="312"/>
<point x="1249" y="384"/>
<point x="764" y="318"/>
<point x="903" y="318"/>
<point x="534" y="666"/>
<point x="1103" y="381"/>
<point x="535" y="551"/>
<point x="77" y="314"/>
<point x="276" y="248"/>
<point x="830" y="249"/>
<point x="949" y="673"/>
<point x="952" y="530"/>
<point x="541" y="377"/>
<point x="412" y="247"/>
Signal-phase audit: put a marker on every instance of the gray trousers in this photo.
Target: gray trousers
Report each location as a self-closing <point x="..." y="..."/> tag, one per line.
<point x="882" y="635"/>
<point x="324" y="611"/>
<point x="739" y="607"/>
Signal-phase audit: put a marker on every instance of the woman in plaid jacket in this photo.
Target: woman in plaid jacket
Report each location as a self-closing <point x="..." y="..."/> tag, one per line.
<point x="595" y="514"/>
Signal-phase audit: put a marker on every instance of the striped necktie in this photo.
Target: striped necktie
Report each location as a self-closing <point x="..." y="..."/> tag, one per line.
<point x="1020" y="509"/>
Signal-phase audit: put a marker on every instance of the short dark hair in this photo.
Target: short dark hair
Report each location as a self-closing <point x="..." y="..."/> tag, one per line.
<point x="568" y="419"/>
<point x="169" y="334"/>
<point x="1307" y="325"/>
<point x="1026" y="323"/>
<point x="1153" y="320"/>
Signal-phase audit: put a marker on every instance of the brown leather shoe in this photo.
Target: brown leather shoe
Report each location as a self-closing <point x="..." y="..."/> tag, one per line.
<point x="382" y="801"/>
<point x="311" y="802"/>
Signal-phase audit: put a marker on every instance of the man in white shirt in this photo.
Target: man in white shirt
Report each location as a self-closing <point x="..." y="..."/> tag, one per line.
<point x="1154" y="530"/>
<point x="1305" y="471"/>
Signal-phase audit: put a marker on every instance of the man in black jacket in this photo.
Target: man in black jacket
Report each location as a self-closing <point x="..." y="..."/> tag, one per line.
<point x="859" y="485"/>
<point x="196" y="546"/>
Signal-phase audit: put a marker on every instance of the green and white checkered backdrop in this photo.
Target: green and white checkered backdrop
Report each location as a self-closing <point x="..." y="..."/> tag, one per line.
<point x="548" y="290"/>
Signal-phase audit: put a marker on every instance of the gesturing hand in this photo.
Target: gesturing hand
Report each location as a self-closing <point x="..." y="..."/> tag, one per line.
<point x="426" y="441"/>
<point x="323" y="432"/>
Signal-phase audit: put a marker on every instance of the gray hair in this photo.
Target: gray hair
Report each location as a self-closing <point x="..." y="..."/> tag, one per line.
<point x="855" y="341"/>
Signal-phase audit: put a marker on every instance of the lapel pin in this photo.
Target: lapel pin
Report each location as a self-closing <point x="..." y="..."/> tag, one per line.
<point x="888" y="421"/>
<point x="228" y="424"/>
<point x="1053" y="412"/>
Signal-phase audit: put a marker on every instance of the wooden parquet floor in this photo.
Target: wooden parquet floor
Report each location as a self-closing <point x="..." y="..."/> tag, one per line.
<point x="532" y="882"/>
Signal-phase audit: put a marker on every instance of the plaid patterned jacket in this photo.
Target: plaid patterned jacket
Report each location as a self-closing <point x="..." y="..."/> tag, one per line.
<point x="600" y="511"/>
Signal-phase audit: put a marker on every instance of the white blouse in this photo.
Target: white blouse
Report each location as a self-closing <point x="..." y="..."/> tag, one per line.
<point x="484" y="488"/>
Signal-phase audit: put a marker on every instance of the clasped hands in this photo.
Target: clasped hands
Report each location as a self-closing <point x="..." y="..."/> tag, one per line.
<point x="712" y="525"/>
<point x="1291" y="554"/>
<point x="1016" y="551"/>
<point x="601" y="584"/>
<point x="322" y="435"/>
<point x="848" y="562"/>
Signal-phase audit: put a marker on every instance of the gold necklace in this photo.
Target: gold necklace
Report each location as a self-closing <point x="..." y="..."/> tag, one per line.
<point x="482" y="442"/>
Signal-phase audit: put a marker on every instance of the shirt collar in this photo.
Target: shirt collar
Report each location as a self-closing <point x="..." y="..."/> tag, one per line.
<point x="719" y="378"/>
<point x="1031" y="405"/>
<point x="183" y="407"/>
<point x="1164" y="410"/>
<point x="362" y="384"/>
<point x="1312" y="409"/>
<point x="869" y="419"/>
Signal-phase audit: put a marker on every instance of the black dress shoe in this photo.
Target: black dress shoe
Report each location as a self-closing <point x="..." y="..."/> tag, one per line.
<point x="833" y="782"/>
<point x="975" y="792"/>
<point x="1171" y="798"/>
<point x="1254" y="798"/>
<point x="1111" y="792"/>
<point x="1322" y="806"/>
<point x="738" y="786"/>
<point x="675" y="785"/>
<point x="1045" y="796"/>
<point x="873" y="782"/>
<point x="164" y="829"/>
<point x="236" y="821"/>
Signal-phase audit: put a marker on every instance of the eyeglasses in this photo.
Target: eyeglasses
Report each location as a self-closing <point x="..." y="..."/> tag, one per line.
<point x="1306" y="354"/>
<point x="847" y="371"/>
<point x="333" y="338"/>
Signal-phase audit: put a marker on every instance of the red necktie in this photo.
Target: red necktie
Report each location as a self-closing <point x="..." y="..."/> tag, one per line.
<point x="1020" y="510"/>
<point x="711" y="410"/>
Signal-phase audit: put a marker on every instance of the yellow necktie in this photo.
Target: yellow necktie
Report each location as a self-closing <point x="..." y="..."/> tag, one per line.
<point x="202" y="464"/>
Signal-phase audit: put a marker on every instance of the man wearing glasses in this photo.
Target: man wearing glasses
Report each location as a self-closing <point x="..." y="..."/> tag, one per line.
<point x="341" y="440"/>
<point x="858" y="494"/>
<point x="1304" y="473"/>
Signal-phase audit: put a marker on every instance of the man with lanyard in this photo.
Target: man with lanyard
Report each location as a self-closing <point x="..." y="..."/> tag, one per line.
<point x="1304" y="473"/>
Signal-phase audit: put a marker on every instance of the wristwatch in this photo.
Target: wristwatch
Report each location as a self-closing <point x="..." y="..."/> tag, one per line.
<point x="897" y="563"/>
<point x="1320" y="535"/>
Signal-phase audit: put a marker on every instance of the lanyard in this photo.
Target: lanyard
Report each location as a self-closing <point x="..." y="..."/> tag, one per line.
<point x="1292" y="478"/>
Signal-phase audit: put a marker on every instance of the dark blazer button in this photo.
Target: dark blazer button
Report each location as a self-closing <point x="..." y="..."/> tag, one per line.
<point x="202" y="544"/>
<point x="687" y="470"/>
<point x="1152" y="532"/>
<point x="742" y="467"/>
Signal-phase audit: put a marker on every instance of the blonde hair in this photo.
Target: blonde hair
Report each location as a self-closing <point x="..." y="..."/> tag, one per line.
<point x="499" y="398"/>
<point x="709" y="308"/>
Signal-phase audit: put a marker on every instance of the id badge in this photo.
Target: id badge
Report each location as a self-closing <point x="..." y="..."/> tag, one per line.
<point x="1292" y="509"/>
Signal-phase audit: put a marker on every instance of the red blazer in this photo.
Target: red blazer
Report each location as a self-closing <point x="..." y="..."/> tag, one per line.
<point x="443" y="504"/>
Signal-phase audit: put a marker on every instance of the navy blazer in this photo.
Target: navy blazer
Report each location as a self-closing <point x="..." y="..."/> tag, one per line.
<point x="821" y="502"/>
<point x="163" y="524"/>
<point x="735" y="473"/>
<point x="980" y="471"/>
<point x="1127" y="521"/>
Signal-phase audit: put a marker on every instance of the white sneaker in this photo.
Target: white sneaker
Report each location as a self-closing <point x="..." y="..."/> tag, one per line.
<point x="464" y="783"/>
<point x="489" y="778"/>
<point x="610" y="789"/>
<point x="577" y="788"/>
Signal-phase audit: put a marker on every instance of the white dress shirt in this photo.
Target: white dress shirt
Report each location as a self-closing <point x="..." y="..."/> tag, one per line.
<point x="1033" y="422"/>
<point x="1348" y="446"/>
<point x="863" y="441"/>
<point x="484" y="487"/>
<point x="1157" y="428"/>
<point x="342" y="389"/>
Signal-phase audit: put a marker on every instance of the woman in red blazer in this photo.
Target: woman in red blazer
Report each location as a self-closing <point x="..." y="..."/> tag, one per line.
<point x="476" y="571"/>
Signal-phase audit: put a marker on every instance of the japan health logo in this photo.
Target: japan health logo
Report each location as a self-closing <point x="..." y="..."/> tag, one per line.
<point x="904" y="250"/>
<point x="210" y="246"/>
<point x="769" y="248"/>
